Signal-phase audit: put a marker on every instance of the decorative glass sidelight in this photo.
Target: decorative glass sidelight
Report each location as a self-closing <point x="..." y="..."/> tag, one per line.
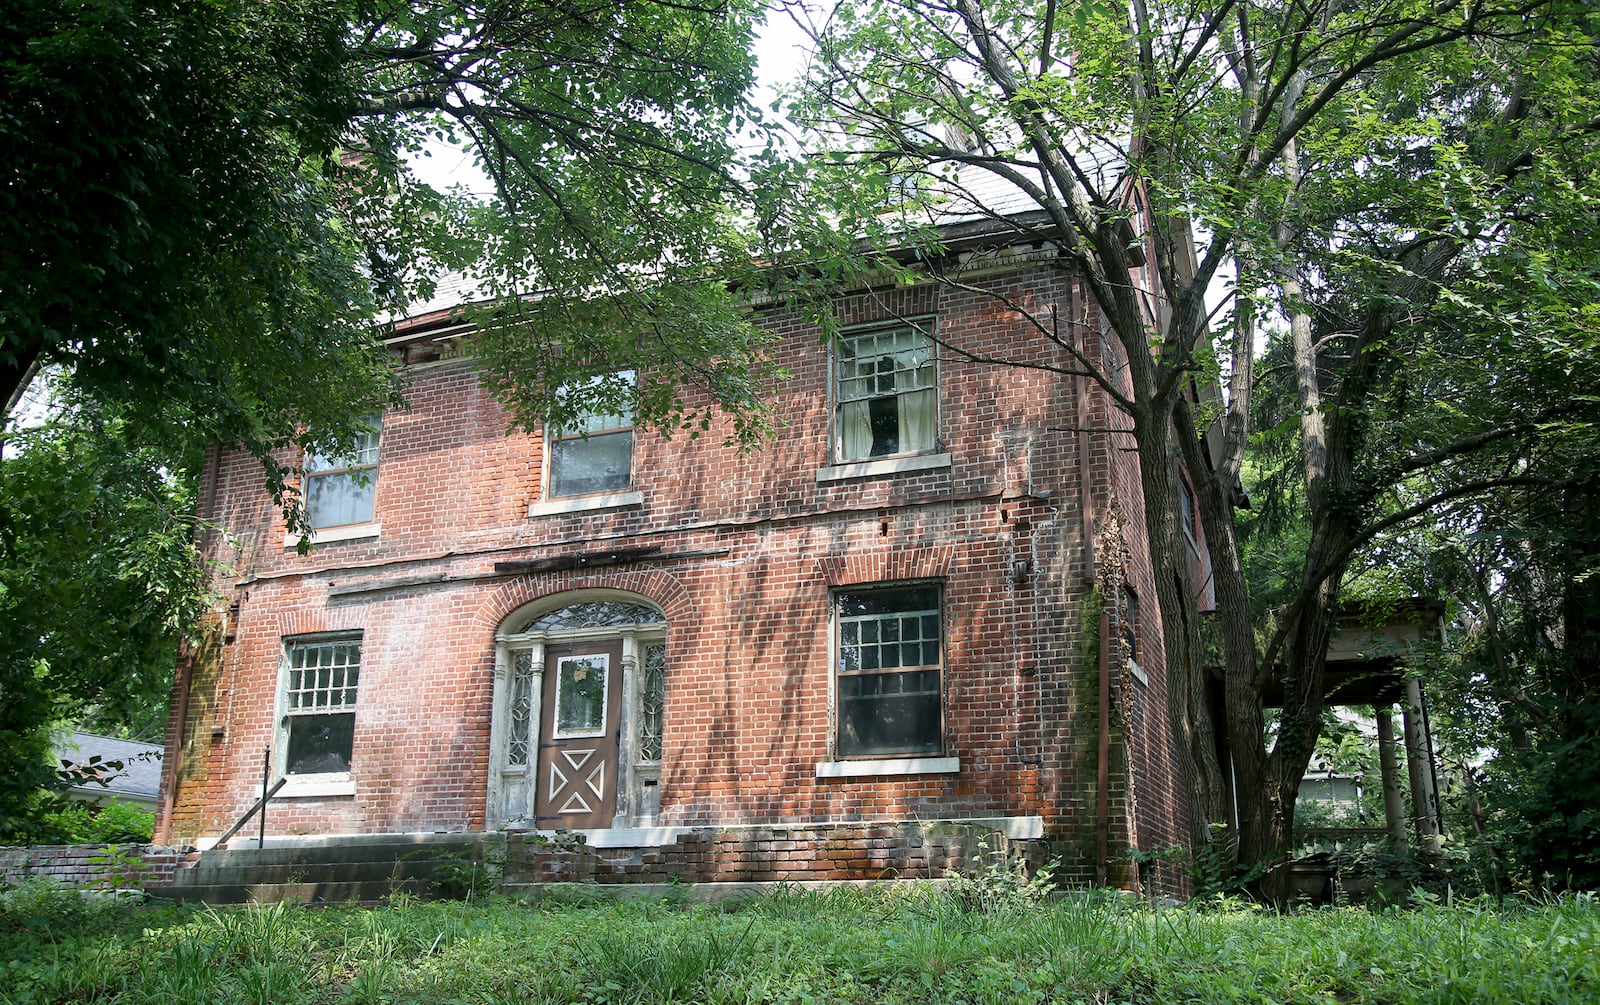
<point x="520" y="711"/>
<point x="652" y="702"/>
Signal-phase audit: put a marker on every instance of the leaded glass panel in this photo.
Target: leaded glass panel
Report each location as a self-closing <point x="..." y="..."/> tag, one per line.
<point x="595" y="614"/>
<point x="652" y="702"/>
<point x="518" y="748"/>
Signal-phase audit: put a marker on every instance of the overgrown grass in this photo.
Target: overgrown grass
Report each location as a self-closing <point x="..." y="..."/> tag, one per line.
<point x="911" y="944"/>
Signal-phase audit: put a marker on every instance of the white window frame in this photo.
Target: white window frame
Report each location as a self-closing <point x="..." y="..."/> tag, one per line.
<point x="339" y="782"/>
<point x="847" y="388"/>
<point x="928" y="761"/>
<point x="360" y="467"/>
<point x="591" y="428"/>
<point x="1188" y="515"/>
<point x="1128" y="618"/>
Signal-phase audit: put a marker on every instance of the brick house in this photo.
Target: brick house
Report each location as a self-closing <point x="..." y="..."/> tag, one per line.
<point x="835" y="657"/>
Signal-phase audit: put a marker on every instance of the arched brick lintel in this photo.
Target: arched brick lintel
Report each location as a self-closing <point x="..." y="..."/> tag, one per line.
<point x="317" y="620"/>
<point x="887" y="565"/>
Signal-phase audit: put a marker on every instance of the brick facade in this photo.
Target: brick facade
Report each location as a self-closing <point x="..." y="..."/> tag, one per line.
<point x="748" y="551"/>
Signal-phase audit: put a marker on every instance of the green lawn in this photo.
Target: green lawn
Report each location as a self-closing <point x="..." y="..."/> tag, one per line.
<point x="911" y="944"/>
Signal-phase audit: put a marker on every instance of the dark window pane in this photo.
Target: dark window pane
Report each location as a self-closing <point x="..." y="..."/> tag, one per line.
<point x="581" y="696"/>
<point x="890" y="723"/>
<point x="911" y="598"/>
<point x="320" y="743"/>
<point x="884" y="414"/>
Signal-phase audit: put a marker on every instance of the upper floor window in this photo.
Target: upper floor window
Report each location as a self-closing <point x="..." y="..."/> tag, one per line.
<point x="885" y="393"/>
<point x="1186" y="515"/>
<point x="890" y="670"/>
<point x="593" y="451"/>
<point x="320" y="679"/>
<point x="340" y="488"/>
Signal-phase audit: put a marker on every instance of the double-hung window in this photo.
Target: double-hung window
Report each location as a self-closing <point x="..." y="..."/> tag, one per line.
<point x="592" y="452"/>
<point x="340" y="488"/>
<point x="320" y="679"/>
<point x="885" y="395"/>
<point x="889" y="680"/>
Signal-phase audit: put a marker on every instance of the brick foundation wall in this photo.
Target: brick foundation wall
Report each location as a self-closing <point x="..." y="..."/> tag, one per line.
<point x="103" y="866"/>
<point x="768" y="854"/>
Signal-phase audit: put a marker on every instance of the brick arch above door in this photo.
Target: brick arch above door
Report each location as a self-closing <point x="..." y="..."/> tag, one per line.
<point x="549" y="591"/>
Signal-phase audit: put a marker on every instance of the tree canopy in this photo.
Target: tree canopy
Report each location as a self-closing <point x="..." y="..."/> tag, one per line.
<point x="208" y="208"/>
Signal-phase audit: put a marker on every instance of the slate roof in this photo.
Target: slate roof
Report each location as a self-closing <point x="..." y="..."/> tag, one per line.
<point x="140" y="776"/>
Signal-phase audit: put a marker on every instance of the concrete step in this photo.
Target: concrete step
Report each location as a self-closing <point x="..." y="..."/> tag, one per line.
<point x="364" y="893"/>
<point x="333" y="870"/>
<point x="313" y="872"/>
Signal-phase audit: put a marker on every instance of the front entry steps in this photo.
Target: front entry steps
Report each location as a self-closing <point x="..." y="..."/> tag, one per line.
<point x="366" y="869"/>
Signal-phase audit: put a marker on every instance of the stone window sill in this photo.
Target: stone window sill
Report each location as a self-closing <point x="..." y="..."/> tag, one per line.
<point x="889" y="766"/>
<point x="317" y="786"/>
<point x="327" y="535"/>
<point x="879" y="467"/>
<point x="584" y="504"/>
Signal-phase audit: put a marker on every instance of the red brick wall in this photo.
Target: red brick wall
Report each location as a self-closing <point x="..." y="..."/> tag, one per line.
<point x="751" y="546"/>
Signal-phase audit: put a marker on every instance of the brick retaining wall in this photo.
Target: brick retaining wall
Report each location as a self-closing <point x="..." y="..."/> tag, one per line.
<point x="105" y="866"/>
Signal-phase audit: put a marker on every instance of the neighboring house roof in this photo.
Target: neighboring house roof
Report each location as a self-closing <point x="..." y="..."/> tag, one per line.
<point x="139" y="779"/>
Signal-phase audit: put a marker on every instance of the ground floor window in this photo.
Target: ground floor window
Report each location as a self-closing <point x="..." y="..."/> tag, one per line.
<point x="320" y="679"/>
<point x="890" y="671"/>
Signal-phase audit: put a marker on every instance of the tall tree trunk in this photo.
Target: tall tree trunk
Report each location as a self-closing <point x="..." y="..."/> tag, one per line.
<point x="1188" y="707"/>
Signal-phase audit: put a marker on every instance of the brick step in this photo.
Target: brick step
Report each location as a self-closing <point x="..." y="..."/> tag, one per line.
<point x="351" y="849"/>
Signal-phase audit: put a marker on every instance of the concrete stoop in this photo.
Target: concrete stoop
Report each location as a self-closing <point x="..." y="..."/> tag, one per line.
<point x="335" y="870"/>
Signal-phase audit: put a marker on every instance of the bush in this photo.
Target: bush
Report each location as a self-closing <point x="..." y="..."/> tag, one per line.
<point x="72" y="822"/>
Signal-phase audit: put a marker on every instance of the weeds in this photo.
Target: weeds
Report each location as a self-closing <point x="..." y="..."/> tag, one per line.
<point x="911" y="943"/>
<point x="999" y="879"/>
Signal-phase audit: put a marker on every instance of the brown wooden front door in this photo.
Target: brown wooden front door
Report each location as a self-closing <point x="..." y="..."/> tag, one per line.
<point x="576" y="786"/>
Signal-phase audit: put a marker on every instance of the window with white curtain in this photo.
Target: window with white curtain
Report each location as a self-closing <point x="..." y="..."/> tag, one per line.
<point x="340" y="488"/>
<point x="886" y="398"/>
<point x="593" y="452"/>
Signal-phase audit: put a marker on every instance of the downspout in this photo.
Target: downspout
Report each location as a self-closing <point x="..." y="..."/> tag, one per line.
<point x="1102" y="794"/>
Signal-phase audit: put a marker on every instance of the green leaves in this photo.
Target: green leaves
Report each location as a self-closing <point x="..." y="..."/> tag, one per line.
<point x="98" y="573"/>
